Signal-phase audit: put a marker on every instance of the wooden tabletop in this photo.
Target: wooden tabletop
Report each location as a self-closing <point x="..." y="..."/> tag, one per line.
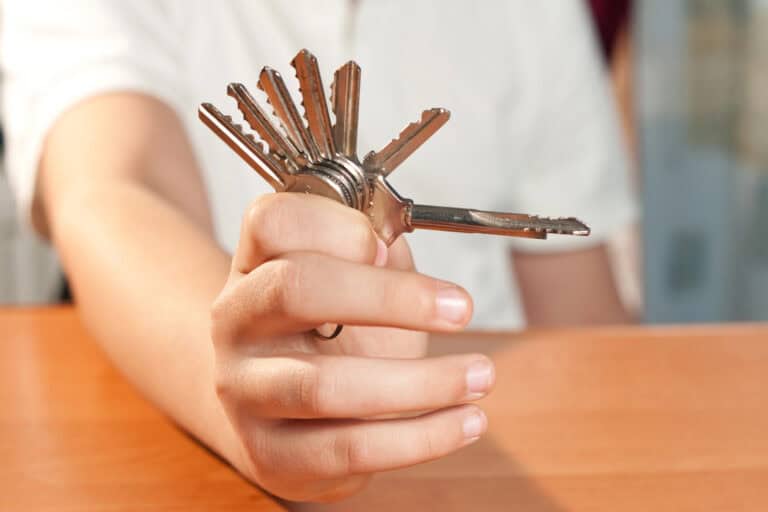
<point x="613" y="419"/>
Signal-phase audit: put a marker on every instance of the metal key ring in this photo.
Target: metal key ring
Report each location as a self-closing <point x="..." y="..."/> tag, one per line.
<point x="334" y="334"/>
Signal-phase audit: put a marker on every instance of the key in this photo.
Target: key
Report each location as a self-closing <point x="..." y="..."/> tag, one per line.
<point x="345" y="98"/>
<point x="392" y="215"/>
<point x="259" y="122"/>
<point x="244" y="145"/>
<point x="315" y="106"/>
<point x="273" y="85"/>
<point x="477" y="221"/>
<point x="442" y="218"/>
<point x="414" y="135"/>
<point x="320" y="158"/>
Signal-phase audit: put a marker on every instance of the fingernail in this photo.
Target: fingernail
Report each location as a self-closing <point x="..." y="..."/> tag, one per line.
<point x="474" y="425"/>
<point x="479" y="378"/>
<point x="452" y="305"/>
<point x="382" y="253"/>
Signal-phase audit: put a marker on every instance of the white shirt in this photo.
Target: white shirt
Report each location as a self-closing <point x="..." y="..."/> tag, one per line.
<point x="532" y="127"/>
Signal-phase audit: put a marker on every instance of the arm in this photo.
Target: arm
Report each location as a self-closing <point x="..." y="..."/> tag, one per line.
<point x="221" y="344"/>
<point x="568" y="288"/>
<point x="127" y="212"/>
<point x="577" y="167"/>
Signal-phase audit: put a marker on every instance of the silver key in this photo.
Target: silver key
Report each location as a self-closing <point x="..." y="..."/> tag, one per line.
<point x="393" y="215"/>
<point x="414" y="135"/>
<point x="321" y="158"/>
<point x="259" y="122"/>
<point x="315" y="107"/>
<point x="273" y="85"/>
<point x="244" y="145"/>
<point x="345" y="98"/>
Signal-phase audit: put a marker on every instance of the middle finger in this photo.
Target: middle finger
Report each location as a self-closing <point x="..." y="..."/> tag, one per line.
<point x="316" y="386"/>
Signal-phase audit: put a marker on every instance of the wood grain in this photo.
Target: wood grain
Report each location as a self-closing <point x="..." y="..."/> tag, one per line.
<point x="605" y="420"/>
<point x="629" y="419"/>
<point x="74" y="436"/>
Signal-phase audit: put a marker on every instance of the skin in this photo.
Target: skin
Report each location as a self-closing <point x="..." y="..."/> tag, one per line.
<point x="219" y="342"/>
<point x="575" y="275"/>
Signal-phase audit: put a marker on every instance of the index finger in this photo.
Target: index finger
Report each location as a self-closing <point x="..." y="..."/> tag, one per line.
<point x="279" y="223"/>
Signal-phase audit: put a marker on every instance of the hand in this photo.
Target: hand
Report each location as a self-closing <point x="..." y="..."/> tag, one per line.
<point x="315" y="418"/>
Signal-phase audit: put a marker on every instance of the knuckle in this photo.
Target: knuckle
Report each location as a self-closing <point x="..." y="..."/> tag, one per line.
<point x="307" y="391"/>
<point x="266" y="464"/>
<point x="425" y="297"/>
<point x="255" y="212"/>
<point x="284" y="291"/>
<point x="363" y="242"/>
<point x="264" y="460"/>
<point x="314" y="391"/>
<point x="391" y="293"/>
<point x="427" y="445"/>
<point x="220" y="317"/>
<point x="224" y="385"/>
<point x="366" y="243"/>
<point x="230" y="383"/>
<point x="293" y="286"/>
<point x="264" y="216"/>
<point x="415" y="297"/>
<point x="352" y="237"/>
<point x="353" y="454"/>
<point x="459" y="394"/>
<point x="430" y="442"/>
<point x="360" y="242"/>
<point x="358" y="218"/>
<point x="441" y="382"/>
<point x="260" y="209"/>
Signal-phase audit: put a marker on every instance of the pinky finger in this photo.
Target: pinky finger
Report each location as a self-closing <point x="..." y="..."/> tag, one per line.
<point x="330" y="449"/>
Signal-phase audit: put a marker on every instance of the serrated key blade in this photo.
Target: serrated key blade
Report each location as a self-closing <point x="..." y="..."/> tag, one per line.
<point x="273" y="85"/>
<point x="242" y="144"/>
<point x="496" y="223"/>
<point x="259" y="122"/>
<point x="414" y="135"/>
<point x="345" y="98"/>
<point x="315" y="106"/>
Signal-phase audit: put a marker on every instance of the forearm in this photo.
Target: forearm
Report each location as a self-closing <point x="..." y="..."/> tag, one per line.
<point x="144" y="277"/>
<point x="126" y="208"/>
<point x="569" y="288"/>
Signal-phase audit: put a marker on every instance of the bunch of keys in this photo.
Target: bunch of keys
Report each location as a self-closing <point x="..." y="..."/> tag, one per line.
<point x="320" y="156"/>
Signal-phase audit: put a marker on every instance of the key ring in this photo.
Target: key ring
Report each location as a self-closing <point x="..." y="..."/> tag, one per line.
<point x="333" y="335"/>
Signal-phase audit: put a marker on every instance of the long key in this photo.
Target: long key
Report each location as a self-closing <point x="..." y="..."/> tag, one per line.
<point x="315" y="105"/>
<point x="464" y="220"/>
<point x="392" y="215"/>
<point x="345" y="98"/>
<point x="259" y="122"/>
<point x="273" y="85"/>
<point x="244" y="145"/>
<point x="414" y="135"/>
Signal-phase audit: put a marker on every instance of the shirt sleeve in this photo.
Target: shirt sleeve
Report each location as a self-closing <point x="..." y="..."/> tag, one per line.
<point x="55" y="54"/>
<point x="569" y="140"/>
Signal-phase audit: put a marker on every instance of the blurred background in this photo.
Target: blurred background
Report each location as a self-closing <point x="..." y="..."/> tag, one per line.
<point x="702" y="121"/>
<point x="691" y="85"/>
<point x="29" y="272"/>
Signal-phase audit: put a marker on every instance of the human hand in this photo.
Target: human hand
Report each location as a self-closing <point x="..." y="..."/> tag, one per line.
<point x="314" y="419"/>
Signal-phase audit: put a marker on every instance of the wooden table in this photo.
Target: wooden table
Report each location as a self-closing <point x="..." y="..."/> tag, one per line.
<point x="614" y="419"/>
